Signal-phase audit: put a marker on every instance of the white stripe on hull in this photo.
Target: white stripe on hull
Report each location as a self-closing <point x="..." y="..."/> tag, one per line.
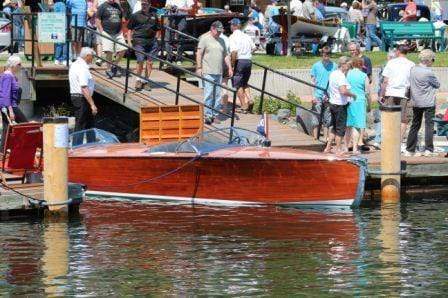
<point x="343" y="202"/>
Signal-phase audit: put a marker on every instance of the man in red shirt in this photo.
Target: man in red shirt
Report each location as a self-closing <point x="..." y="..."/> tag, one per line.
<point x="410" y="12"/>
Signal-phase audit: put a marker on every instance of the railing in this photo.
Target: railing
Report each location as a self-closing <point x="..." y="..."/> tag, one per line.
<point x="32" y="21"/>
<point x="177" y="90"/>
<point x="262" y="90"/>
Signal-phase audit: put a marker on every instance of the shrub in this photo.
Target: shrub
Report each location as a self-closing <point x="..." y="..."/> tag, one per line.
<point x="271" y="105"/>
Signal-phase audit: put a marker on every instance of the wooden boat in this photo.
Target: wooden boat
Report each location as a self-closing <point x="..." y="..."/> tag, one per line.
<point x="226" y="166"/>
<point x="302" y="26"/>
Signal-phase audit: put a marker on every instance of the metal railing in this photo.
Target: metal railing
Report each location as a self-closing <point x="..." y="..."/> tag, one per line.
<point x="262" y="90"/>
<point x="31" y="19"/>
<point x="177" y="91"/>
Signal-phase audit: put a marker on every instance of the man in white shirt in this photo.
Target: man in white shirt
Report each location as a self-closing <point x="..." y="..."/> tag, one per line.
<point x="241" y="48"/>
<point x="296" y="8"/>
<point x="81" y="90"/>
<point x="395" y="88"/>
<point x="340" y="95"/>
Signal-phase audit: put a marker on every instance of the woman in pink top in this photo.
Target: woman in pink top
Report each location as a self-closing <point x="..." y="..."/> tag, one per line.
<point x="410" y="12"/>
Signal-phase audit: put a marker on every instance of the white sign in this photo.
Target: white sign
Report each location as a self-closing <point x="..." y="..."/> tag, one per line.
<point x="51" y="27"/>
<point x="61" y="135"/>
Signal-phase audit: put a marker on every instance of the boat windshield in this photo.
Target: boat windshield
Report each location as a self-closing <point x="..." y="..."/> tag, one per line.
<point x="214" y="140"/>
<point x="92" y="136"/>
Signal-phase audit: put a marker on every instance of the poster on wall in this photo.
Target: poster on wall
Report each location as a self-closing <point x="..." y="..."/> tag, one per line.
<point x="51" y="27"/>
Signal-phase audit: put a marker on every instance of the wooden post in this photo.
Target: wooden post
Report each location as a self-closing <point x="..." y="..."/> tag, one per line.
<point x="55" y="134"/>
<point x="390" y="153"/>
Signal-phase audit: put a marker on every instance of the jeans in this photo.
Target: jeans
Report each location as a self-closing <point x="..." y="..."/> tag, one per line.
<point x="377" y="125"/>
<point x="212" y="101"/>
<point x="60" y="52"/>
<point x="429" y="113"/>
<point x="371" y="35"/>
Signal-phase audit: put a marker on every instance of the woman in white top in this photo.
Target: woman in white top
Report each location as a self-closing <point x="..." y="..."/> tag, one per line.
<point x="340" y="95"/>
<point x="355" y="16"/>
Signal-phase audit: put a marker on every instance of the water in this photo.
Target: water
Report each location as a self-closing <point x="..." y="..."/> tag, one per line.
<point x="128" y="248"/>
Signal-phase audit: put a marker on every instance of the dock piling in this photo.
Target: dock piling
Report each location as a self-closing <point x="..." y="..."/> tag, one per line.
<point x="390" y="153"/>
<point x="55" y="134"/>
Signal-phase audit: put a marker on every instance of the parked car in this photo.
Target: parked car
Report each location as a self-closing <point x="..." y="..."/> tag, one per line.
<point x="5" y="32"/>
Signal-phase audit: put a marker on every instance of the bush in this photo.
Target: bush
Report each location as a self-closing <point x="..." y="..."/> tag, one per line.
<point x="271" y="105"/>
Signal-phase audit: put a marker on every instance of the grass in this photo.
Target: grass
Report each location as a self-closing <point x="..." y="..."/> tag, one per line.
<point x="306" y="61"/>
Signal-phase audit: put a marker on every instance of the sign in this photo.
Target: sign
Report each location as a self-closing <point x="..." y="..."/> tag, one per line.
<point x="51" y="27"/>
<point x="61" y="136"/>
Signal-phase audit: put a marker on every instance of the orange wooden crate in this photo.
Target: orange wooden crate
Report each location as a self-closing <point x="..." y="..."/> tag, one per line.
<point x="170" y="123"/>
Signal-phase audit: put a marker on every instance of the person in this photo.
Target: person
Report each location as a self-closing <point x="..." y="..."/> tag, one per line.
<point x="355" y="16"/>
<point x="410" y="12"/>
<point x="109" y="24"/>
<point x="340" y="95"/>
<point x="210" y="58"/>
<point x="178" y="11"/>
<point x="377" y="112"/>
<point x="371" y="8"/>
<point x="60" y="49"/>
<point x="344" y="6"/>
<point x="10" y="95"/>
<point x="320" y="73"/>
<point x="225" y="76"/>
<point x="423" y="86"/>
<point x="309" y="10"/>
<point x="436" y="11"/>
<point x="227" y="8"/>
<point x="11" y="7"/>
<point x="143" y="26"/>
<point x="396" y="84"/>
<point x="78" y="8"/>
<point x="357" y="109"/>
<point x="91" y="40"/>
<point x="241" y="48"/>
<point x="296" y="7"/>
<point x="81" y="90"/>
<point x="355" y="51"/>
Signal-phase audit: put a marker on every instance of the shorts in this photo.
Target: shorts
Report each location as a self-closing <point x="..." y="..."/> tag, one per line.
<point x="151" y="50"/>
<point x="77" y="33"/>
<point x="241" y="76"/>
<point x="338" y="119"/>
<point x="326" y="116"/>
<point x="406" y="107"/>
<point x="110" y="46"/>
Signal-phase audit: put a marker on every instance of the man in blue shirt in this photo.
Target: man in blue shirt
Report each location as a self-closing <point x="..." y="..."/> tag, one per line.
<point x="320" y="74"/>
<point x="78" y="9"/>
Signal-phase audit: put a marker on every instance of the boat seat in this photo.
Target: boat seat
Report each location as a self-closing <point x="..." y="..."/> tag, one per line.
<point x="22" y="151"/>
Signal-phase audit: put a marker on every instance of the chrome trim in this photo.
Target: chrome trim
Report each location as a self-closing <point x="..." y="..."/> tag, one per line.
<point x="361" y="162"/>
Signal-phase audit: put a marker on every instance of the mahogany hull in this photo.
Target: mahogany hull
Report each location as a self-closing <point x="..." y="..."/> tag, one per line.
<point x="220" y="179"/>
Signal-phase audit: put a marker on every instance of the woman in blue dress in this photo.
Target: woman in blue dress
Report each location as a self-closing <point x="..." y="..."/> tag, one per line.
<point x="357" y="109"/>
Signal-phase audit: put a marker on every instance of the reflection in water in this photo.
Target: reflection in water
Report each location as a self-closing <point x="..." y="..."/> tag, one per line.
<point x="122" y="248"/>
<point x="55" y="257"/>
<point x="390" y="253"/>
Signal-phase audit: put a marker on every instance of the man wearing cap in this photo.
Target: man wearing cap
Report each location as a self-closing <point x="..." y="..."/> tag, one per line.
<point x="241" y="48"/>
<point x="210" y="58"/>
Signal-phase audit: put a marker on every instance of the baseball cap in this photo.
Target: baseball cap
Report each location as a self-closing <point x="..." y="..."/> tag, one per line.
<point x="217" y="25"/>
<point x="235" y="22"/>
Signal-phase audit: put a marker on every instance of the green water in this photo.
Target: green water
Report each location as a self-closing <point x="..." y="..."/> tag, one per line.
<point x="118" y="248"/>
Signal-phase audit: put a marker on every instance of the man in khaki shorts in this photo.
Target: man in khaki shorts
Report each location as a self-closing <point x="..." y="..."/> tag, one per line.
<point x="109" y="23"/>
<point x="396" y="84"/>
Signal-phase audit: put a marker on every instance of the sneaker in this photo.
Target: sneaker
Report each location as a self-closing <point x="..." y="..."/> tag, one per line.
<point x="179" y="63"/>
<point x="138" y="85"/>
<point x="408" y="153"/>
<point x="208" y="120"/>
<point x="428" y="153"/>
<point x="377" y="145"/>
<point x="112" y="72"/>
<point x="418" y="154"/>
<point x="57" y="62"/>
<point x="98" y="62"/>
